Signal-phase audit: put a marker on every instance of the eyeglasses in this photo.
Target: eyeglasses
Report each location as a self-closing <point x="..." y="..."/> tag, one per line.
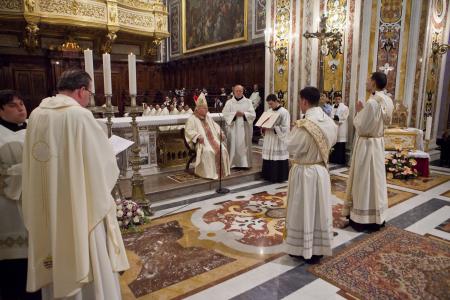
<point x="90" y="93"/>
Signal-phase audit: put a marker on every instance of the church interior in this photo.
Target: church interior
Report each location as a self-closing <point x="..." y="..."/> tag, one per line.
<point x="153" y="61"/>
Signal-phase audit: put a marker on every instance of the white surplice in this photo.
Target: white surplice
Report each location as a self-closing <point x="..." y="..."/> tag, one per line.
<point x="207" y="159"/>
<point x="256" y="99"/>
<point x="366" y="186"/>
<point x="147" y="112"/>
<point x="239" y="131"/>
<point x="342" y="112"/>
<point x="69" y="170"/>
<point x="309" y="209"/>
<point x="274" y="147"/>
<point x="13" y="234"/>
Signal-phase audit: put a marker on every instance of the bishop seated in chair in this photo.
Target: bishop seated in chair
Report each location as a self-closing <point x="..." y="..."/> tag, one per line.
<point x="205" y="135"/>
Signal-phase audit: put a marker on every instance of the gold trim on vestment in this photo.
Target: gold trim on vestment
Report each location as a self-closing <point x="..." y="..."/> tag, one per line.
<point x="317" y="135"/>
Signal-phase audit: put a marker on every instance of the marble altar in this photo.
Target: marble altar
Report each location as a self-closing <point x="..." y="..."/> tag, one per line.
<point x="160" y="149"/>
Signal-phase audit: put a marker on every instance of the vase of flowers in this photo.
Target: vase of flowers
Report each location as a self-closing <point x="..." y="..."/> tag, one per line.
<point x="129" y="214"/>
<point x="400" y="166"/>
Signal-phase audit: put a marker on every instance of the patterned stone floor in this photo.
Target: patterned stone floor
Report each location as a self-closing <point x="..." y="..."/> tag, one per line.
<point x="209" y="246"/>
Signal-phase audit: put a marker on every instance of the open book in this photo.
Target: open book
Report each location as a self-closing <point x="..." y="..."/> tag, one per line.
<point x="119" y="144"/>
<point x="267" y="119"/>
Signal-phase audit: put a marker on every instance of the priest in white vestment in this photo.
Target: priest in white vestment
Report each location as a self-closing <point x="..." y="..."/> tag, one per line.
<point x="255" y="97"/>
<point x="239" y="115"/>
<point x="146" y="109"/>
<point x="275" y="156"/>
<point x="309" y="209"/>
<point x="203" y="134"/>
<point x="157" y="110"/>
<point x="367" y="199"/>
<point x="75" y="246"/>
<point x="339" y="114"/>
<point x="164" y="112"/>
<point x="13" y="234"/>
<point x="188" y="110"/>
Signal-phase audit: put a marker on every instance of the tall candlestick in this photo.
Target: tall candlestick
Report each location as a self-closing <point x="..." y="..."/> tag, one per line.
<point x="89" y="66"/>
<point x="428" y="128"/>
<point x="107" y="73"/>
<point x="132" y="74"/>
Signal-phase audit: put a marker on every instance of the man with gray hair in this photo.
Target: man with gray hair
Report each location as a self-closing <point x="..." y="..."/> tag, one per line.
<point x="69" y="169"/>
<point x="239" y="115"/>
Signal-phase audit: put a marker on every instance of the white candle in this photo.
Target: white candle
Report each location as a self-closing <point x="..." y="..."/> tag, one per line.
<point x="132" y="73"/>
<point x="107" y="74"/>
<point x="428" y="128"/>
<point x="89" y="66"/>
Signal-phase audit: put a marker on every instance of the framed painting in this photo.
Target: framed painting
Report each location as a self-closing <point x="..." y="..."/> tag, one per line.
<point x="259" y="18"/>
<point x="212" y="23"/>
<point x="174" y="23"/>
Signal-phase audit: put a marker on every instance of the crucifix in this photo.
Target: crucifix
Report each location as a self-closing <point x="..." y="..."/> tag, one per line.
<point x="330" y="42"/>
<point x="386" y="68"/>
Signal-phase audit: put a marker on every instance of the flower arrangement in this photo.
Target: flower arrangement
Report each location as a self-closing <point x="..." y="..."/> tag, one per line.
<point x="129" y="214"/>
<point x="400" y="166"/>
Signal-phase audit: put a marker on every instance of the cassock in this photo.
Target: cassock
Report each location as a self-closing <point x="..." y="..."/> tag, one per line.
<point x="158" y="111"/>
<point x="366" y="186"/>
<point x="309" y="209"/>
<point x="275" y="156"/>
<point x="153" y="112"/>
<point x="340" y="114"/>
<point x="13" y="235"/>
<point x="239" y="131"/>
<point x="207" y="162"/>
<point x="189" y="111"/>
<point x="75" y="247"/>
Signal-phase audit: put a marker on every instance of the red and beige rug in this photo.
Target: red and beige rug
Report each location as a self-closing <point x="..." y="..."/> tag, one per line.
<point x="391" y="264"/>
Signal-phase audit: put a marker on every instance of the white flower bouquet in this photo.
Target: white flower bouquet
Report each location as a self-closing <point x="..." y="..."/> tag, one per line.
<point x="129" y="214"/>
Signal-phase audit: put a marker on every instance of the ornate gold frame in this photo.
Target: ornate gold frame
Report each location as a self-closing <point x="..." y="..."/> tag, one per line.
<point x="396" y="139"/>
<point x="111" y="15"/>
<point x="232" y="41"/>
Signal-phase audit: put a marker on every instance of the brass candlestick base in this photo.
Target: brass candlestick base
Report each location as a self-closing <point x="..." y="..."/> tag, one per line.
<point x="137" y="181"/>
<point x="427" y="145"/>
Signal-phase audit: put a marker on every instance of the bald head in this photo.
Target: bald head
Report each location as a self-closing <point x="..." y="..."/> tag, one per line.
<point x="238" y="91"/>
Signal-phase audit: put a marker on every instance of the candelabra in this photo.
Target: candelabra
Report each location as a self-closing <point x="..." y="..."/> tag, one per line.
<point x="330" y="43"/>
<point x="108" y="111"/>
<point x="137" y="181"/>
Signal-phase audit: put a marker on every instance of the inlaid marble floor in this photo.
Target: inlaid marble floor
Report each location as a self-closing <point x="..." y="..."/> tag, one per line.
<point x="209" y="246"/>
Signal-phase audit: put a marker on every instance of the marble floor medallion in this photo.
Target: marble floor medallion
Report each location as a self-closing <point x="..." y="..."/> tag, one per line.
<point x="253" y="225"/>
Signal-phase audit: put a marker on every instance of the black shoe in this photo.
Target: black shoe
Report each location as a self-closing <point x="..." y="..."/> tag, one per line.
<point x="299" y="257"/>
<point x="315" y="259"/>
<point x="357" y="226"/>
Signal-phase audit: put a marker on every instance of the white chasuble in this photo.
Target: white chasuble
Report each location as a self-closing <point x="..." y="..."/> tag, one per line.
<point x="239" y="131"/>
<point x="207" y="162"/>
<point x="309" y="209"/>
<point x="13" y="235"/>
<point x="69" y="170"/>
<point x="366" y="186"/>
